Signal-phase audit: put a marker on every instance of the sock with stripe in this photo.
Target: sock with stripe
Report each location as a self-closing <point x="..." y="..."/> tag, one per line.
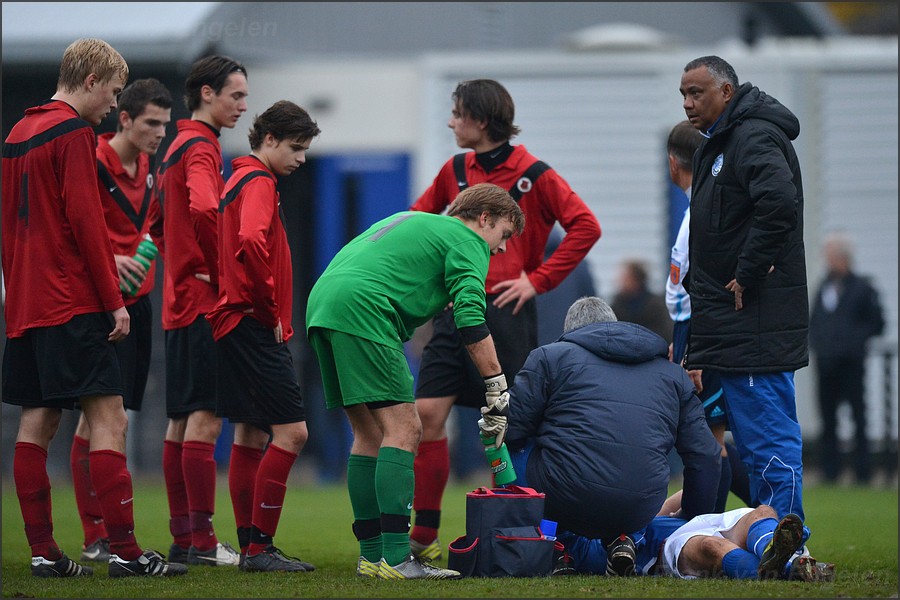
<point x="394" y="485"/>
<point x="760" y="534"/>
<point x="432" y="471"/>
<point x="242" y="469"/>
<point x="364" y="501"/>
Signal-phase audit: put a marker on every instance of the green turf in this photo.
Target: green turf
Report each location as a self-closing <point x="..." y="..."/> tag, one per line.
<point x="856" y="528"/>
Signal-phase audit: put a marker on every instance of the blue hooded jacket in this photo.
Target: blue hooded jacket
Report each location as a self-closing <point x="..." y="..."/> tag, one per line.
<point x="604" y="406"/>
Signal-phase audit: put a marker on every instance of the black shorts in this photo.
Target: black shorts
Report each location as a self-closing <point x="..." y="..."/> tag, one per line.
<point x="713" y="398"/>
<point x="446" y="368"/>
<point x="257" y="382"/>
<point x="52" y="367"/>
<point x="134" y="353"/>
<point x="190" y="369"/>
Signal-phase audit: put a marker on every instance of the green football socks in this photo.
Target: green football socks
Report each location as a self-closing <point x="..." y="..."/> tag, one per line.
<point x="361" y="485"/>
<point x="394" y="485"/>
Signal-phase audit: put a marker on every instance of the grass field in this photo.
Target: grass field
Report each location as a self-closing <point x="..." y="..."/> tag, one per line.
<point x="856" y="528"/>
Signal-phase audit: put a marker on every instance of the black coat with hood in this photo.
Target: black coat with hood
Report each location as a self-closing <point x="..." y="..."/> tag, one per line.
<point x="604" y="406"/>
<point x="747" y="224"/>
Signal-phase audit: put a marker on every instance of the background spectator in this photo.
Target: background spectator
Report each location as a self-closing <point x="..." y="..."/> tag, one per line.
<point x="635" y="303"/>
<point x="846" y="313"/>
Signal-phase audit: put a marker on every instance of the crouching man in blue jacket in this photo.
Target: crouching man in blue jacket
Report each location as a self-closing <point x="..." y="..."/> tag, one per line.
<point x="590" y="423"/>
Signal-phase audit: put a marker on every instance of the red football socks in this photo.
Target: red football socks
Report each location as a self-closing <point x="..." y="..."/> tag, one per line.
<point x="198" y="460"/>
<point x="179" y="524"/>
<point x="33" y="490"/>
<point x="242" y="471"/>
<point x="271" y="487"/>
<point x="432" y="469"/>
<point x="85" y="498"/>
<point x="112" y="482"/>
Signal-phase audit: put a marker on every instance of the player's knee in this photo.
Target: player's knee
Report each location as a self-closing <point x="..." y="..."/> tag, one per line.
<point x="764" y="511"/>
<point x="294" y="436"/>
<point x="432" y="423"/>
<point x="203" y="425"/>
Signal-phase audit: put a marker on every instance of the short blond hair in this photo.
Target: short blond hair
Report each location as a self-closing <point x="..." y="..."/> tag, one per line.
<point x="90" y="55"/>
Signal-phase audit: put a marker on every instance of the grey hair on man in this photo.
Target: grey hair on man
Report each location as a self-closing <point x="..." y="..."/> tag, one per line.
<point x="587" y="310"/>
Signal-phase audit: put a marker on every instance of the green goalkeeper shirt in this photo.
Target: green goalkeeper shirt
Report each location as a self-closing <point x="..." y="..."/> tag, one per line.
<point x="398" y="274"/>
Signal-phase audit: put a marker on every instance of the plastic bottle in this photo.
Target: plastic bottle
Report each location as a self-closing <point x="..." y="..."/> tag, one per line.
<point x="499" y="461"/>
<point x="146" y="252"/>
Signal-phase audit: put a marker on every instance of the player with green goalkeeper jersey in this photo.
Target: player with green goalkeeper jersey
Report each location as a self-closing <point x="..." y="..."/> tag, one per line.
<point x="444" y="259"/>
<point x="376" y="291"/>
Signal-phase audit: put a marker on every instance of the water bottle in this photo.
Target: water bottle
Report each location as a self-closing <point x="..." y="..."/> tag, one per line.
<point x="146" y="252"/>
<point x="499" y="461"/>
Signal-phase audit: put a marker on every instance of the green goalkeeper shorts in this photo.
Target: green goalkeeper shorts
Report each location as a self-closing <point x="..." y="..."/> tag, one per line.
<point x="356" y="370"/>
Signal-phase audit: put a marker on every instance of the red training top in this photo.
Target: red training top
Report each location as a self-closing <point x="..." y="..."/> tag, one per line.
<point x="57" y="258"/>
<point x="549" y="200"/>
<point x="256" y="275"/>
<point x="190" y="184"/>
<point x="127" y="224"/>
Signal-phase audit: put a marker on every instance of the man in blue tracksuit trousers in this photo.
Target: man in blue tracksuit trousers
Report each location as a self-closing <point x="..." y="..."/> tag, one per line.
<point x="747" y="279"/>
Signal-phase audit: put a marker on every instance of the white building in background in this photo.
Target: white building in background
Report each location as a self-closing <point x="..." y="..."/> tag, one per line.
<point x="596" y="92"/>
<point x="601" y="119"/>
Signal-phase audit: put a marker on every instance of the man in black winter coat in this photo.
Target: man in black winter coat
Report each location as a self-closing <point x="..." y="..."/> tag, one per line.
<point x="592" y="418"/>
<point x="846" y="313"/>
<point x="747" y="280"/>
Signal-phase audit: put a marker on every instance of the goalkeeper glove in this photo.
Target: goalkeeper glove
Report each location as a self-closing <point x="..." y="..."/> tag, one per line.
<point x="495" y="396"/>
<point x="492" y="426"/>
